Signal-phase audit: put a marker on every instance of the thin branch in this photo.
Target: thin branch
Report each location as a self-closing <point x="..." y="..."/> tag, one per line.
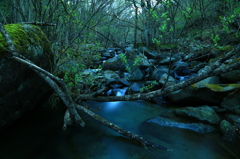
<point x="39" y="23"/>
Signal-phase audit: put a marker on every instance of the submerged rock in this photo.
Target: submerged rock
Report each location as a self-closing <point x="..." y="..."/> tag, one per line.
<point x="231" y="76"/>
<point x="202" y="93"/>
<point x="228" y="131"/>
<point x="197" y="127"/>
<point x="21" y="88"/>
<point x="232" y="102"/>
<point x="203" y="113"/>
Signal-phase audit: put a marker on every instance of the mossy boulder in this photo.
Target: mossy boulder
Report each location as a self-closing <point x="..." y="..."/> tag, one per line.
<point x="232" y="101"/>
<point x="231" y="76"/>
<point x="21" y="88"/>
<point x="202" y="94"/>
<point x="203" y="113"/>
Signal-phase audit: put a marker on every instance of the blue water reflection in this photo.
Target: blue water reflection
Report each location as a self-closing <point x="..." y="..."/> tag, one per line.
<point x="40" y="136"/>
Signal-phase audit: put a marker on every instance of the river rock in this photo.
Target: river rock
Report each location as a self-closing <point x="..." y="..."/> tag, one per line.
<point x="21" y="88"/>
<point x="201" y="94"/>
<point x="158" y="72"/>
<point x="124" y="81"/>
<point x="142" y="62"/>
<point x="237" y="123"/>
<point x="231" y="76"/>
<point x="233" y="118"/>
<point x="151" y="55"/>
<point x="135" y="74"/>
<point x="136" y="86"/>
<point x="197" y="127"/>
<point x="168" y="80"/>
<point x="114" y="64"/>
<point x="202" y="113"/>
<point x="182" y="70"/>
<point x="108" y="74"/>
<point x="211" y="80"/>
<point x="232" y="101"/>
<point x="167" y="60"/>
<point x="227" y="130"/>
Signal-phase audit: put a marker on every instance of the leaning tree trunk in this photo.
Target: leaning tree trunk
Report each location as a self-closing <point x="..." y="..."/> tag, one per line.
<point x="60" y="88"/>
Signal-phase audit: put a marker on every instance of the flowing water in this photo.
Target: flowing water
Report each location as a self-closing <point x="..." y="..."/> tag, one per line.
<point x="40" y="136"/>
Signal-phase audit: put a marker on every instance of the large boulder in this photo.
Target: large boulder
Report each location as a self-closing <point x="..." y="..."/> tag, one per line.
<point x="167" y="80"/>
<point x="202" y="113"/>
<point x="202" y="93"/>
<point x="228" y="131"/>
<point x="231" y="76"/>
<point x="232" y="102"/>
<point x="21" y="88"/>
<point x="159" y="72"/>
<point x="114" y="64"/>
<point x="158" y="122"/>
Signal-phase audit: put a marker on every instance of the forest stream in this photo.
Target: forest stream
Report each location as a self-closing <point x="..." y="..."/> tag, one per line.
<point x="40" y="136"/>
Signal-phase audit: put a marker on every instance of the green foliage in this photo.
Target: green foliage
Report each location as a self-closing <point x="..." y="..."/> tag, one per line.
<point x="226" y="21"/>
<point x="75" y="61"/>
<point x="215" y="39"/>
<point x="137" y="61"/>
<point x="125" y="61"/>
<point x="148" y="87"/>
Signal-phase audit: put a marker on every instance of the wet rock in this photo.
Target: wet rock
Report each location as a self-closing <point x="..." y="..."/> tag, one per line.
<point x="169" y="79"/>
<point x="143" y="49"/>
<point x="167" y="60"/>
<point x="202" y="113"/>
<point x="108" y="74"/>
<point x="119" y="92"/>
<point x="233" y="118"/>
<point x="143" y="62"/>
<point x="211" y="80"/>
<point x="201" y="94"/>
<point x="182" y="70"/>
<point x="227" y="130"/>
<point x="136" y="86"/>
<point x="114" y="64"/>
<point x="218" y="109"/>
<point x="197" y="127"/>
<point x="232" y="101"/>
<point x="151" y="55"/>
<point x="231" y="76"/>
<point x="21" y="88"/>
<point x="135" y="74"/>
<point x="124" y="81"/>
<point x="237" y="123"/>
<point x="108" y="53"/>
<point x="158" y="72"/>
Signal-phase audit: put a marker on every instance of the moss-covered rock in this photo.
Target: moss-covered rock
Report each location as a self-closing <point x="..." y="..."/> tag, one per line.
<point x="232" y="101"/>
<point x="202" y="113"/>
<point x="202" y="93"/>
<point x="21" y="88"/>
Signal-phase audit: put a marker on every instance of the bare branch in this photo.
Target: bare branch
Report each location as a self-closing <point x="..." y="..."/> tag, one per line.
<point x="39" y="23"/>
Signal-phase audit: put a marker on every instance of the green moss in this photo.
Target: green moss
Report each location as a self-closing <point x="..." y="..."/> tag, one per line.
<point x="24" y="36"/>
<point x="217" y="87"/>
<point x="227" y="48"/>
